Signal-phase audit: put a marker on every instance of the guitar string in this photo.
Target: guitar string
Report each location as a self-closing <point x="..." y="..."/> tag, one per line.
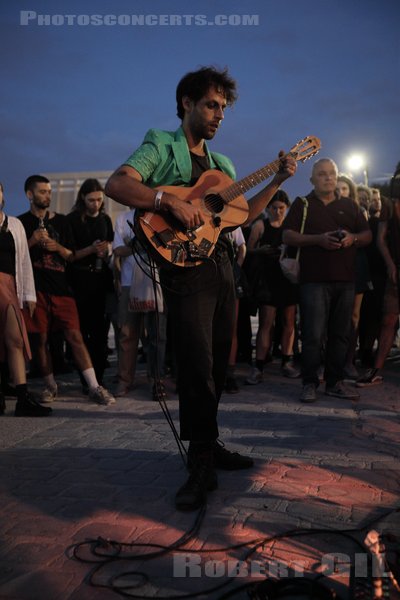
<point x="245" y="184"/>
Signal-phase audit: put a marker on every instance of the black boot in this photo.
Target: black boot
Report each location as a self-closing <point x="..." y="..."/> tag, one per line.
<point x="230" y="461"/>
<point x="2" y="404"/>
<point x="202" y="478"/>
<point x="7" y="390"/>
<point x="28" y="407"/>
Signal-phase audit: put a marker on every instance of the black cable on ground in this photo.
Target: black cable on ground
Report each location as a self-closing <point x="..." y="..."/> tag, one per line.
<point x="106" y="552"/>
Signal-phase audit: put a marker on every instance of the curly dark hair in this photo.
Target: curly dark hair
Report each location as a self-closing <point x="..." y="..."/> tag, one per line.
<point x="196" y="84"/>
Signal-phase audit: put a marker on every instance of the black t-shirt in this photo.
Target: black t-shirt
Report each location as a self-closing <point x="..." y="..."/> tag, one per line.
<point x="7" y="252"/>
<point x="49" y="267"/>
<point x="391" y="215"/>
<point x="272" y="236"/>
<point x="85" y="232"/>
<point x="263" y="268"/>
<point x="376" y="263"/>
<point x="199" y="165"/>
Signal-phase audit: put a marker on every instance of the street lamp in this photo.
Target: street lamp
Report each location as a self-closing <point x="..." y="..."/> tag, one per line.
<point x="357" y="162"/>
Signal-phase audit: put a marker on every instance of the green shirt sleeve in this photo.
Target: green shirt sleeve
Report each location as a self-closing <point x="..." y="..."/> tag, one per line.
<point x="145" y="160"/>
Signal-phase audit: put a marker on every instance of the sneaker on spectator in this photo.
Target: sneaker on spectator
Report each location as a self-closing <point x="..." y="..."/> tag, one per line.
<point x="309" y="393"/>
<point x="101" y="396"/>
<point x="340" y="390"/>
<point x="370" y="377"/>
<point x="49" y="394"/>
<point x="255" y="377"/>
<point x="350" y="372"/>
<point x="290" y="370"/>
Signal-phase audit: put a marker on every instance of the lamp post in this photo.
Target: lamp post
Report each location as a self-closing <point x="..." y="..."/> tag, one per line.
<point x="357" y="162"/>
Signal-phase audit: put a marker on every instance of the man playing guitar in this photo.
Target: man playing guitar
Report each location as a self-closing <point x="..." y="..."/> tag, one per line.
<point x="200" y="299"/>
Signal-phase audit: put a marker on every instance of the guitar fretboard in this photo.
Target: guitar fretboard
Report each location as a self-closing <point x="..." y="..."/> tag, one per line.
<point x="247" y="183"/>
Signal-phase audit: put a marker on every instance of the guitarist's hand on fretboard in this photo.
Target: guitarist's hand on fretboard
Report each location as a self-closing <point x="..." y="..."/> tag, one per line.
<point x="287" y="167"/>
<point x="190" y="216"/>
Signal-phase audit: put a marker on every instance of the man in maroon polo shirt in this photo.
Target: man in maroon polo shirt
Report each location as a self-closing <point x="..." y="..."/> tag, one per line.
<point x="334" y="228"/>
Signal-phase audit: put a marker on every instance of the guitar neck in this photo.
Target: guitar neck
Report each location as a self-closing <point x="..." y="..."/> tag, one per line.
<point x="247" y="183"/>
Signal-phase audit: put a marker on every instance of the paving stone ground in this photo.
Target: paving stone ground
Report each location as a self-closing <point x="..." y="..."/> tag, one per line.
<point x="90" y="472"/>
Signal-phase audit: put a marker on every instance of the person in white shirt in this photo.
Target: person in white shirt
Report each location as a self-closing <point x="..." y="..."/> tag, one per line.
<point x="136" y="314"/>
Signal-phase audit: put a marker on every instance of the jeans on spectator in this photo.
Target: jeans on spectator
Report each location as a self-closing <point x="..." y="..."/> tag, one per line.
<point x="325" y="311"/>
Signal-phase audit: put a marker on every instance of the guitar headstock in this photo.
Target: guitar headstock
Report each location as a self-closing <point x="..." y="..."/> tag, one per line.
<point x="306" y="148"/>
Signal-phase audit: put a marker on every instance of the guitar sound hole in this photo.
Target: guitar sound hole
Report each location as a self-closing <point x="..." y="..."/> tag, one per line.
<point x="214" y="203"/>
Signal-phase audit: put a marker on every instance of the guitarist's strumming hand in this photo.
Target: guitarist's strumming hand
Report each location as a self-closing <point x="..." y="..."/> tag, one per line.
<point x="189" y="215"/>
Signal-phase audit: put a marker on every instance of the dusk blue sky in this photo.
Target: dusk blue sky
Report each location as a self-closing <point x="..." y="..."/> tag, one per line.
<point x="79" y="98"/>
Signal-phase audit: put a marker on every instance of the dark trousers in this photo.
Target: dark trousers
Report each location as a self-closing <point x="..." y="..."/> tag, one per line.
<point x="201" y="303"/>
<point x="90" y="296"/>
<point x="371" y="318"/>
<point x="325" y="311"/>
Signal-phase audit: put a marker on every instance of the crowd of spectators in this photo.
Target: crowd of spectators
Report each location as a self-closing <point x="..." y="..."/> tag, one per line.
<point x="337" y="324"/>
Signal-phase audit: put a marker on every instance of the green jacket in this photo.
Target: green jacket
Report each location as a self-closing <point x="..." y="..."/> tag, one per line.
<point x="164" y="159"/>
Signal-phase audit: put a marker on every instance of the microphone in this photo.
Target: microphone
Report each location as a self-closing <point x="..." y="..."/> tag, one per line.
<point x="98" y="265"/>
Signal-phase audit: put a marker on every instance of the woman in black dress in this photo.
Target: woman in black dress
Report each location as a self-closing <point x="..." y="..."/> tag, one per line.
<point x="272" y="290"/>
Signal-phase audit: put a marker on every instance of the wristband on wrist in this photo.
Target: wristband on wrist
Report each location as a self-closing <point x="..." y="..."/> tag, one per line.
<point x="157" y="200"/>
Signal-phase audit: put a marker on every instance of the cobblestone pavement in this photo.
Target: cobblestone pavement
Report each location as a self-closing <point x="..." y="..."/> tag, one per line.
<point x="111" y="472"/>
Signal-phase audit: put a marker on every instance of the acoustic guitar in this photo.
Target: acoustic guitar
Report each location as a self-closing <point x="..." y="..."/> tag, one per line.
<point x="222" y="205"/>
